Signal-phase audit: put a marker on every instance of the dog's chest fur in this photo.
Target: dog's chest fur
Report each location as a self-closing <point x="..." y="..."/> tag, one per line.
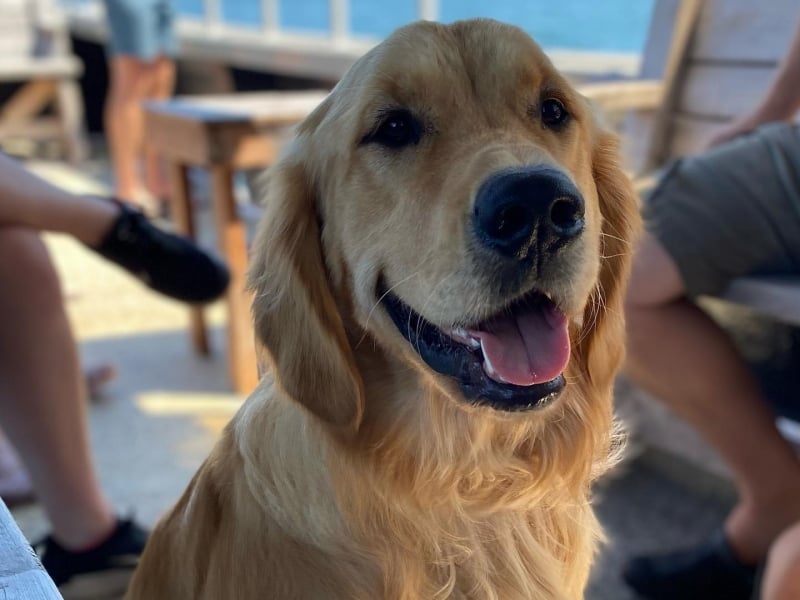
<point x="353" y="539"/>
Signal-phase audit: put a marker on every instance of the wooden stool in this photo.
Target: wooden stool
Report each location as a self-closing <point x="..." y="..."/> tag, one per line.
<point x="223" y="134"/>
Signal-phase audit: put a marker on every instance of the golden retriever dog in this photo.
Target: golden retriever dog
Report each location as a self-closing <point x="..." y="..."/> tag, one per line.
<point x="437" y="282"/>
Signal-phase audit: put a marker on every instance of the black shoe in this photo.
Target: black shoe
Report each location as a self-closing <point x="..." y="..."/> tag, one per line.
<point x="710" y="571"/>
<point x="167" y="263"/>
<point x="95" y="568"/>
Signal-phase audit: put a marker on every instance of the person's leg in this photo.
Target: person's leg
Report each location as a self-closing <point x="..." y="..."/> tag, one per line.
<point x="729" y="212"/>
<point x="678" y="353"/>
<point x="29" y="201"/>
<point x="131" y="81"/>
<point x="42" y="408"/>
<point x="162" y="83"/>
<point x="168" y="263"/>
<point x="782" y="576"/>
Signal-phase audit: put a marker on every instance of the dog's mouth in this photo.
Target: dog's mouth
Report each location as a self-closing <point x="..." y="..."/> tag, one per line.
<point x="512" y="361"/>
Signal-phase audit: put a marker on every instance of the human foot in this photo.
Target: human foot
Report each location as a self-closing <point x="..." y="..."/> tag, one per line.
<point x="97" y="377"/>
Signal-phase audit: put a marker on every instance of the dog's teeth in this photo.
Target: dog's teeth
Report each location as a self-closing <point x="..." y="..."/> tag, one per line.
<point x="461" y="335"/>
<point x="489" y="368"/>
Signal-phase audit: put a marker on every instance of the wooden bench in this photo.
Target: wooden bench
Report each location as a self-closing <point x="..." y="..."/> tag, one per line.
<point x="224" y="134"/>
<point x="34" y="52"/>
<point x="705" y="62"/>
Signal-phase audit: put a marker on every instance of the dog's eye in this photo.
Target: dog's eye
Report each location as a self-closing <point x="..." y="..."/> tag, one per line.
<point x="553" y="112"/>
<point x="396" y="129"/>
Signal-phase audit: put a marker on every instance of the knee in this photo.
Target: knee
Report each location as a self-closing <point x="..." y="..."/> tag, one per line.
<point x="655" y="279"/>
<point x="25" y="264"/>
<point x="654" y="284"/>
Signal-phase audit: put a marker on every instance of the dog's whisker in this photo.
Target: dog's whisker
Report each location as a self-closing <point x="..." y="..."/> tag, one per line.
<point x="614" y="237"/>
<point x="378" y="302"/>
<point x="427" y="301"/>
<point x="598" y="305"/>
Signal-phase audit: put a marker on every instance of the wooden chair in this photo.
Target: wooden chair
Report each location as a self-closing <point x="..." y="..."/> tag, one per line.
<point x="705" y="63"/>
<point x="34" y="51"/>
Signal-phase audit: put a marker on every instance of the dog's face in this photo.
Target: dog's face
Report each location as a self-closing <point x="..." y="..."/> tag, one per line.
<point x="454" y="201"/>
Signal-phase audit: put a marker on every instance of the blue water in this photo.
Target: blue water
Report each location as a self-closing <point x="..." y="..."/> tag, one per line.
<point x="604" y="25"/>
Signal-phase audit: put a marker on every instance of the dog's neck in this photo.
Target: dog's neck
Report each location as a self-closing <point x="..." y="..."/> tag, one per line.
<point x="428" y="500"/>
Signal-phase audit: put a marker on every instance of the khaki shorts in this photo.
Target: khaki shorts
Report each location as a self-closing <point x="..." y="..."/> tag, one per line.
<point x="732" y="211"/>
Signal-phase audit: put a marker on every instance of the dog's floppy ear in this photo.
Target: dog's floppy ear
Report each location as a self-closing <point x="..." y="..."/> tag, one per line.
<point x="296" y="317"/>
<point x="603" y="341"/>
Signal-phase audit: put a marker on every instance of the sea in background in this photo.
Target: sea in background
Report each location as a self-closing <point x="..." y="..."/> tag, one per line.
<point x="600" y="25"/>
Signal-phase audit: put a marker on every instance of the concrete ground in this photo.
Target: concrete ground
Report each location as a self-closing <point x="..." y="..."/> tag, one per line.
<point x="162" y="415"/>
<point x="159" y="418"/>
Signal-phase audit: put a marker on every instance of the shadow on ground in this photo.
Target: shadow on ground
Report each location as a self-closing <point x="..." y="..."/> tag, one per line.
<point x="156" y="423"/>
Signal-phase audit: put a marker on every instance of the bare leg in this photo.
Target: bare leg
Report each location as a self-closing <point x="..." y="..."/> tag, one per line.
<point x="130" y="82"/>
<point x="782" y="577"/>
<point x="680" y="355"/>
<point x="41" y="393"/>
<point x="31" y="202"/>
<point x="162" y="80"/>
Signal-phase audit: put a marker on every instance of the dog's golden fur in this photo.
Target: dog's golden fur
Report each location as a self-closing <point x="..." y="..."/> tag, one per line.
<point x="354" y="471"/>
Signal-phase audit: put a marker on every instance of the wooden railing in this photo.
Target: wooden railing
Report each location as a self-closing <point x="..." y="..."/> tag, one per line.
<point x="325" y="55"/>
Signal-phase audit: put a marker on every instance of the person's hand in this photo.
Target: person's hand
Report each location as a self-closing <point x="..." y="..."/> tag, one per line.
<point x="733" y="130"/>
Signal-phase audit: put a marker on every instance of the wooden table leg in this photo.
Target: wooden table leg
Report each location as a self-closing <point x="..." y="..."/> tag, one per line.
<point x="232" y="240"/>
<point x="183" y="217"/>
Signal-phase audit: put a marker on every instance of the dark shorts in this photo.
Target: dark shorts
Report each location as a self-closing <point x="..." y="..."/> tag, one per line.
<point x="732" y="211"/>
<point x="143" y="29"/>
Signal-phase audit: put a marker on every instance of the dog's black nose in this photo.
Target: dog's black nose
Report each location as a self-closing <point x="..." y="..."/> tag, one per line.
<point x="522" y="210"/>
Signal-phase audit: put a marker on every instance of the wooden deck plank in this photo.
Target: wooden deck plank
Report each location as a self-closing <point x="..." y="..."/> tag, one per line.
<point x="623" y="95"/>
<point x="724" y="91"/>
<point x="25" y="69"/>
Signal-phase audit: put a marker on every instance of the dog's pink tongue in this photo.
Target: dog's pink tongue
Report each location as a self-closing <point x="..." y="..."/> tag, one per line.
<point x="526" y="349"/>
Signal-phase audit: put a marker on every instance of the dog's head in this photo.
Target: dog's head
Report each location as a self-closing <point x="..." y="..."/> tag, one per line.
<point x="454" y="205"/>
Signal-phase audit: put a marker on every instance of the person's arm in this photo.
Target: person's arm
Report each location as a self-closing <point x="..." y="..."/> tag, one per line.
<point x="781" y="102"/>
